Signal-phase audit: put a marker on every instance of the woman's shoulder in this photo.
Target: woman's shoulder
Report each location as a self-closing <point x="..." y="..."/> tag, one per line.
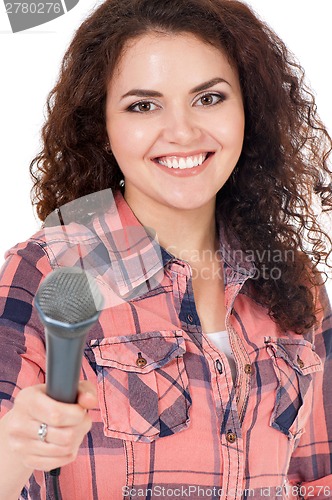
<point x="51" y="246"/>
<point x="25" y="264"/>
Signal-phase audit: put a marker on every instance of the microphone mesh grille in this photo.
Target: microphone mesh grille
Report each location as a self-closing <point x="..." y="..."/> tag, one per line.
<point x="69" y="295"/>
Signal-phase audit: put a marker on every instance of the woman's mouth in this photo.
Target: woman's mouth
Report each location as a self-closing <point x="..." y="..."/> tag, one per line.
<point x="184" y="166"/>
<point x="183" y="162"/>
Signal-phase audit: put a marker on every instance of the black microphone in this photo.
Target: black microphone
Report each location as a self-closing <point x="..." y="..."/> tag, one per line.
<point x="69" y="303"/>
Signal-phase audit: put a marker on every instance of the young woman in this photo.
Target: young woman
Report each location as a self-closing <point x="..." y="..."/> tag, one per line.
<point x="209" y="376"/>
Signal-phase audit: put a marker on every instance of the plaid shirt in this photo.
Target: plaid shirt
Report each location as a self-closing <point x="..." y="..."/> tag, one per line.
<point x="170" y="421"/>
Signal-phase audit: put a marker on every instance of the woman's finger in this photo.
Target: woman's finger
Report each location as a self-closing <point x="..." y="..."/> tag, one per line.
<point x="34" y="402"/>
<point x="87" y="395"/>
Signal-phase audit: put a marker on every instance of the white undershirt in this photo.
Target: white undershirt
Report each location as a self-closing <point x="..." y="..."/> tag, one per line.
<point x="221" y="341"/>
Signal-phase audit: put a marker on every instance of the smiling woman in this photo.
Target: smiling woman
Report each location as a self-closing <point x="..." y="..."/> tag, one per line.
<point x="208" y="370"/>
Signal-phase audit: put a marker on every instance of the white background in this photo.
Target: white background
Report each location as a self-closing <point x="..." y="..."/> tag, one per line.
<point x="30" y="61"/>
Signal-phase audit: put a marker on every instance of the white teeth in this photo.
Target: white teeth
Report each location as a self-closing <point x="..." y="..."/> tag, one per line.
<point x="190" y="162"/>
<point x="182" y="163"/>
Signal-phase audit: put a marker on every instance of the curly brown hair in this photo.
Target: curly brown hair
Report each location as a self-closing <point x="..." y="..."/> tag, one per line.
<point x="269" y="199"/>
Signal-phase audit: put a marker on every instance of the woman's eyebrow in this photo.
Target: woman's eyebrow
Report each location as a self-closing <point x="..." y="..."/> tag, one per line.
<point x="154" y="93"/>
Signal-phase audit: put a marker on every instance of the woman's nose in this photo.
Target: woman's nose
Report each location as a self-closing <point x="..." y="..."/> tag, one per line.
<point x="181" y="127"/>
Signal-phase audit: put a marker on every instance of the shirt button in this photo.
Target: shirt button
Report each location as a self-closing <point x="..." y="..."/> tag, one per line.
<point x="300" y="362"/>
<point x="248" y="369"/>
<point x="231" y="437"/>
<point x="140" y="361"/>
<point x="190" y="318"/>
<point x="219" y="366"/>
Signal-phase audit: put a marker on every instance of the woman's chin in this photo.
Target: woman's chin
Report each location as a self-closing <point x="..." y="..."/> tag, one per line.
<point x="189" y="201"/>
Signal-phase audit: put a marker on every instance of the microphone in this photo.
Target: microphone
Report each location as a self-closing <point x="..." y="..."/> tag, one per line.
<point x="69" y="303"/>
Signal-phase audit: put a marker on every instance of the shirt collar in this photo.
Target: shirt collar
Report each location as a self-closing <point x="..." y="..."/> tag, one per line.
<point x="134" y="261"/>
<point x="137" y="257"/>
<point x="135" y="254"/>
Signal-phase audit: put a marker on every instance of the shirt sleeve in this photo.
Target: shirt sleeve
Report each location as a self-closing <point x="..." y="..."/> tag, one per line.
<point x="310" y="471"/>
<point x="22" y="353"/>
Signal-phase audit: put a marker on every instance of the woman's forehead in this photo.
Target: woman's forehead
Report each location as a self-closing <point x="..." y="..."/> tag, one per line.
<point x="162" y="56"/>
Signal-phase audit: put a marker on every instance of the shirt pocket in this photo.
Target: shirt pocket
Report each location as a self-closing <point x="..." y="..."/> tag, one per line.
<point x="295" y="362"/>
<point x="143" y="386"/>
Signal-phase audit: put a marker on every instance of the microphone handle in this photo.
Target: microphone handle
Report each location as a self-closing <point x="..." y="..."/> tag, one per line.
<point x="63" y="365"/>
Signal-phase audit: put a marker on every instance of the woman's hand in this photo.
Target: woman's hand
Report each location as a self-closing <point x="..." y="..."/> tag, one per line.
<point x="66" y="423"/>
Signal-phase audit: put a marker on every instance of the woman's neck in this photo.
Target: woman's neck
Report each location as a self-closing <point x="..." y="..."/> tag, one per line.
<point x="189" y="235"/>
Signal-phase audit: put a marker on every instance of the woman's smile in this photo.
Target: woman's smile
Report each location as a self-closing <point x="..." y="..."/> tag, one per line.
<point x="184" y="166"/>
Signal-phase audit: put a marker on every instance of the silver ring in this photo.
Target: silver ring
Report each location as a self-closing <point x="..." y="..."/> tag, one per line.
<point x="42" y="432"/>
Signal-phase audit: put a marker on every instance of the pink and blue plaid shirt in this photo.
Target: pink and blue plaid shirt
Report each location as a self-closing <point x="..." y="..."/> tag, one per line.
<point x="171" y="423"/>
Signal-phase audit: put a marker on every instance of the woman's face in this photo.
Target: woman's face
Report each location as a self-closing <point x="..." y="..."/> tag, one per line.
<point x="172" y="100"/>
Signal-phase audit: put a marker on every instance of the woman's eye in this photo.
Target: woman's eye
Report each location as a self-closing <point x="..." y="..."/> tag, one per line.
<point x="141" y="107"/>
<point x="211" y="99"/>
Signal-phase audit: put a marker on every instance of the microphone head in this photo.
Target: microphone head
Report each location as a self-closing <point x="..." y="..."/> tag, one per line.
<point x="69" y="296"/>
